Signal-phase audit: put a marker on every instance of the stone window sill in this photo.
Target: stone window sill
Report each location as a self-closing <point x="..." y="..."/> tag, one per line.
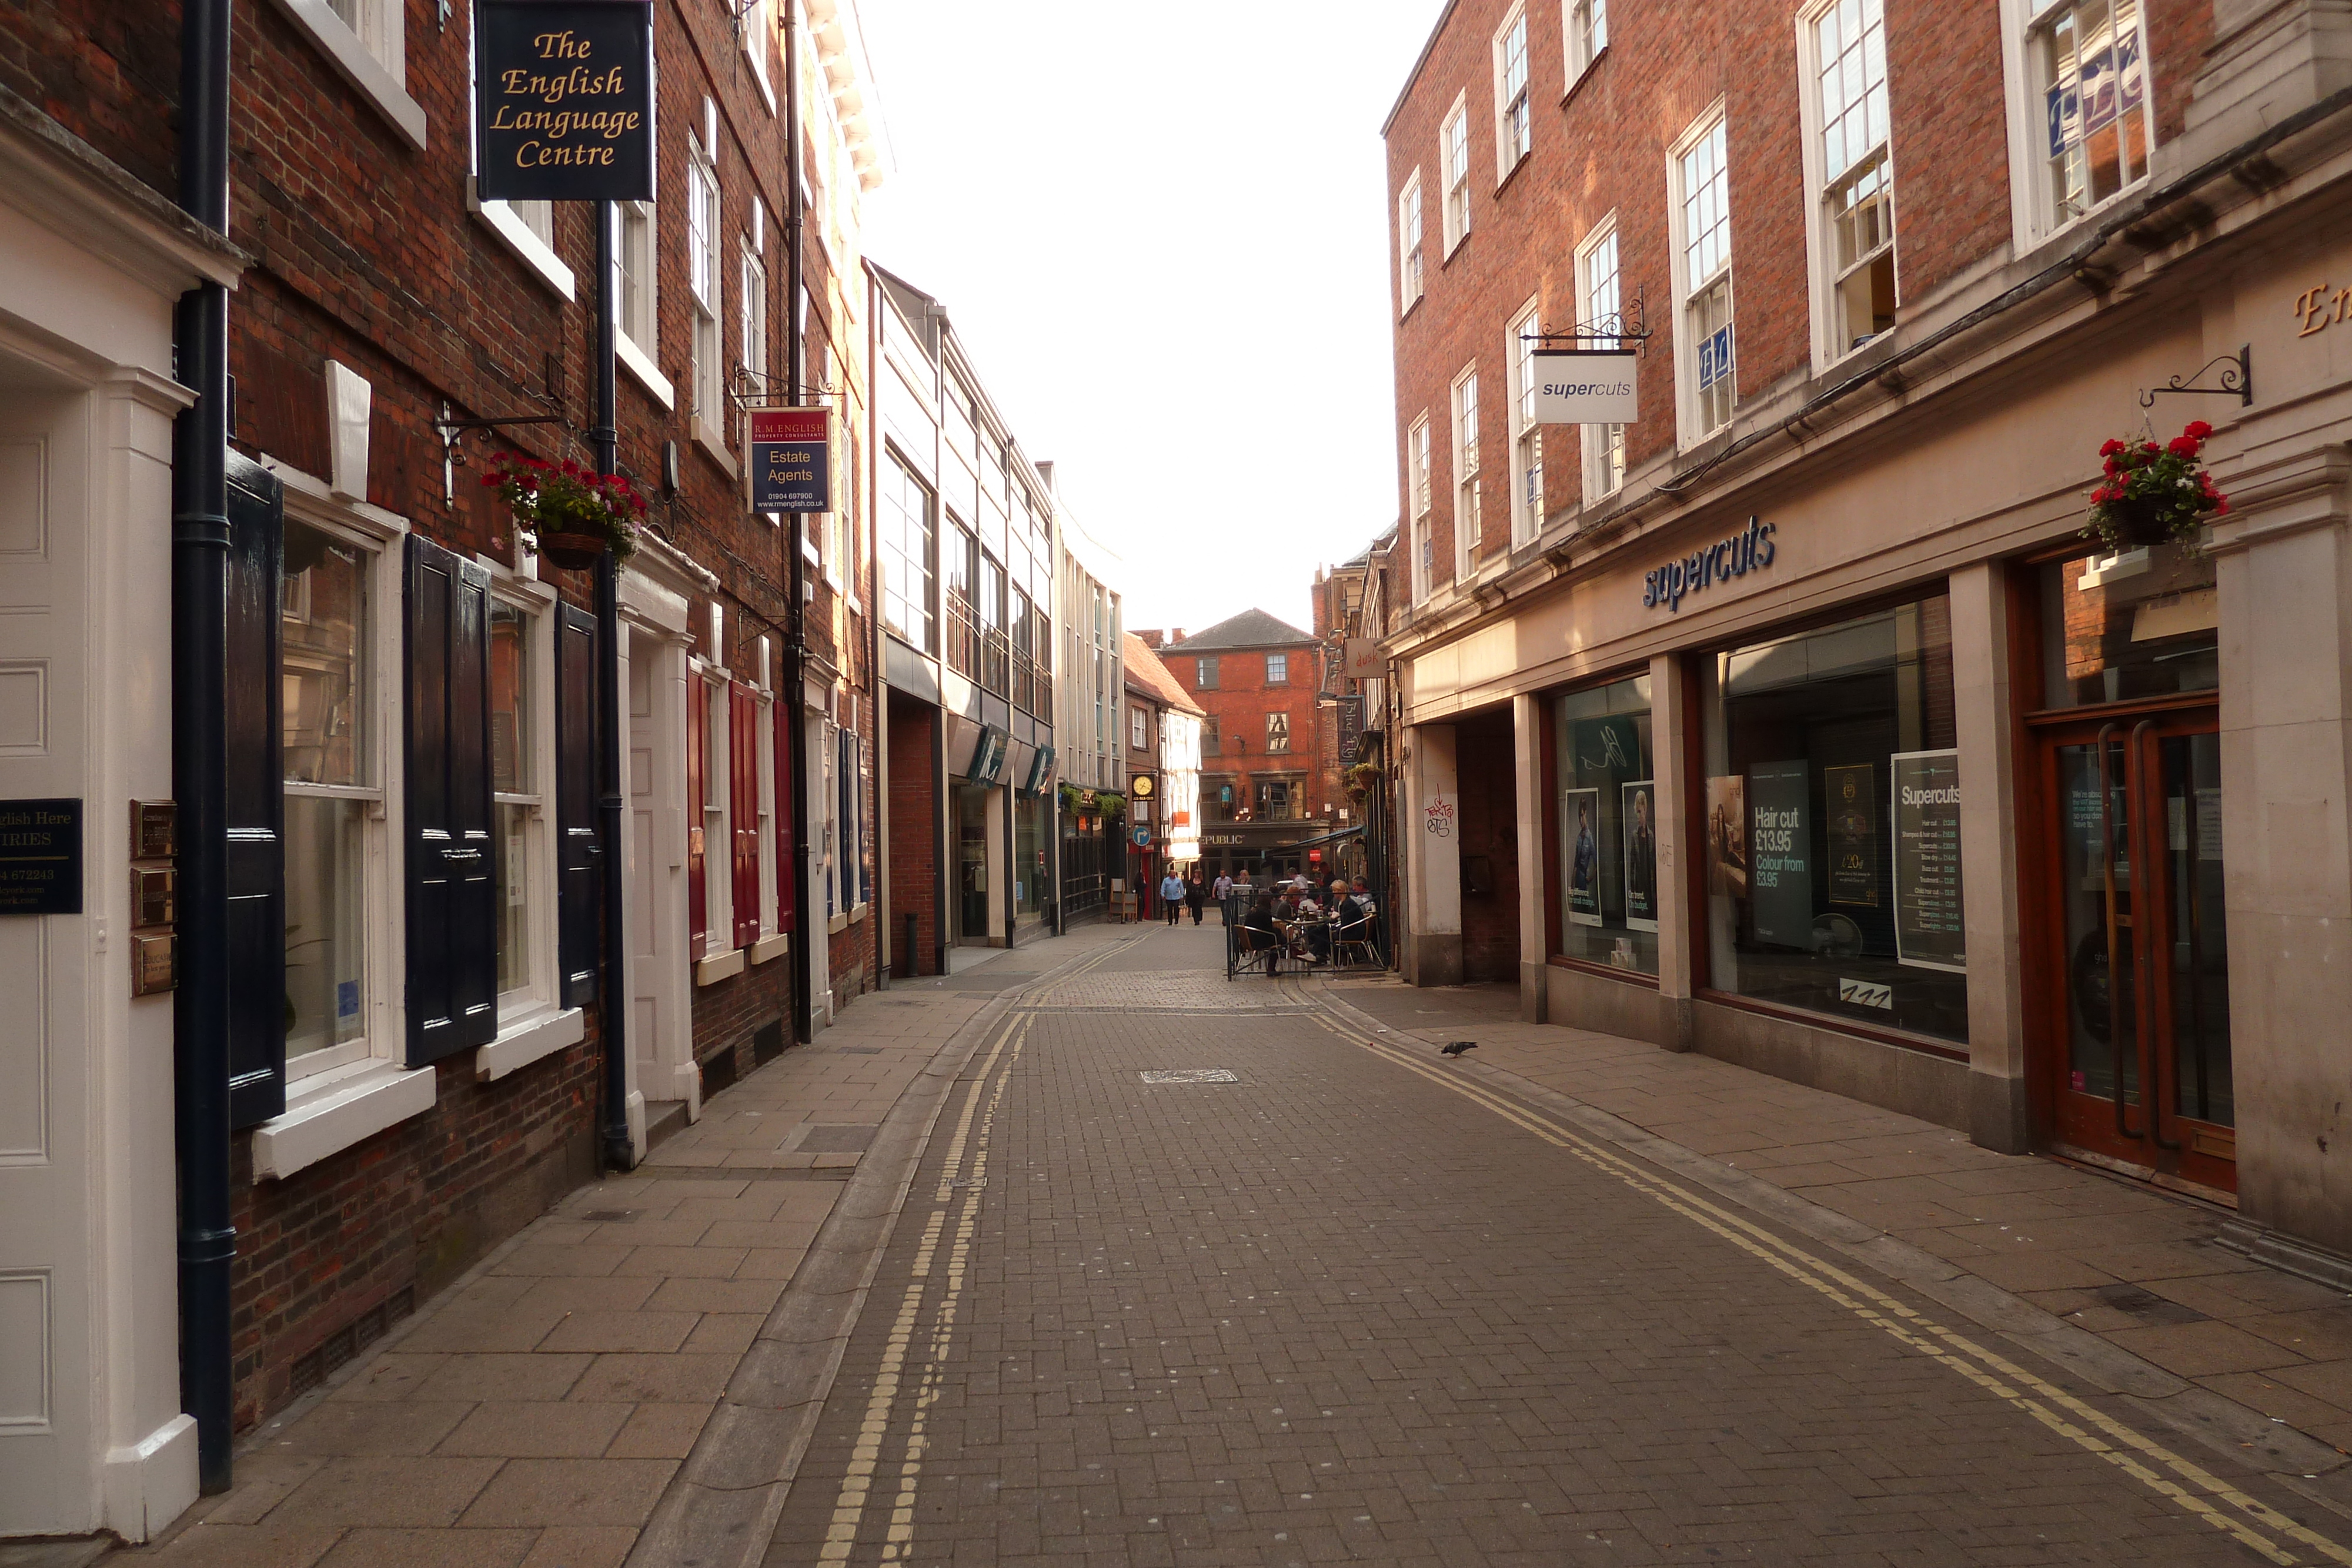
<point x="640" y="364"/>
<point x="336" y="1110"/>
<point x="768" y="948"/>
<point x="715" y="443"/>
<point x="710" y="971"/>
<point x="357" y="66"/>
<point x="542" y="1033"/>
<point x="526" y="247"/>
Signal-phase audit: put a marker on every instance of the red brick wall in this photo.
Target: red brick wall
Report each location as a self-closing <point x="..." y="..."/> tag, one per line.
<point x="914" y="832"/>
<point x="1605" y="149"/>
<point x="1240" y="702"/>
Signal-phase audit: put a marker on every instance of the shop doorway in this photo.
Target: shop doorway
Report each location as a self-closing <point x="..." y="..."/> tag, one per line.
<point x="2139" y="942"/>
<point x="972" y="864"/>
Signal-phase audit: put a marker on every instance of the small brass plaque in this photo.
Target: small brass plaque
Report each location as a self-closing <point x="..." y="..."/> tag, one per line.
<point x="155" y="964"/>
<point x="2221" y="1142"/>
<point x="154" y="830"/>
<point x="154" y="895"/>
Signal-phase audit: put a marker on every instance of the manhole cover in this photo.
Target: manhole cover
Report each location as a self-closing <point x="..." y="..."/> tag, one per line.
<point x="1190" y="1076"/>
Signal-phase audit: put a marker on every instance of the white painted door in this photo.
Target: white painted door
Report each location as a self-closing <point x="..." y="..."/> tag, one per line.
<point x="45" y="1046"/>
<point x="658" y="1025"/>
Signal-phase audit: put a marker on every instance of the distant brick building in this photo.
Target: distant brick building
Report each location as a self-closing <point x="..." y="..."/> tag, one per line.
<point x="1265" y="786"/>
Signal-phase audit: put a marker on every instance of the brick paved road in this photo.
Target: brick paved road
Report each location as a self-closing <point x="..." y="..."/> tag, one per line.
<point x="1335" y="1311"/>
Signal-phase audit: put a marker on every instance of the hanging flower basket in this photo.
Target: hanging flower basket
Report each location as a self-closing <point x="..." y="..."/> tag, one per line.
<point x="2150" y="494"/>
<point x="1363" y="778"/>
<point x="573" y="516"/>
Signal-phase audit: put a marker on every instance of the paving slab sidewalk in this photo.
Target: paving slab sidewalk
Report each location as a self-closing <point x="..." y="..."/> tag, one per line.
<point x="534" y="1415"/>
<point x="2139" y="1267"/>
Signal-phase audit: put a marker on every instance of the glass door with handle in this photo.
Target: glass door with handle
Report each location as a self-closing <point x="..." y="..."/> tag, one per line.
<point x="2138" y="913"/>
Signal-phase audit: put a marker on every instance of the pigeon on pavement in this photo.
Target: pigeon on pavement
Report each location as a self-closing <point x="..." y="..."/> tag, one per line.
<point x="1457" y="1048"/>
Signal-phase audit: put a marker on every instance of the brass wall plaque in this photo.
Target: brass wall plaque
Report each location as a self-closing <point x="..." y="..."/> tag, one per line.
<point x="154" y="895"/>
<point x="155" y="964"/>
<point x="154" y="830"/>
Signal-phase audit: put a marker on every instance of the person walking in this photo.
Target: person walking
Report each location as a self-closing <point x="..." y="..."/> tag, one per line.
<point x="1171" y="895"/>
<point x="1225" y="890"/>
<point x="1196" y="894"/>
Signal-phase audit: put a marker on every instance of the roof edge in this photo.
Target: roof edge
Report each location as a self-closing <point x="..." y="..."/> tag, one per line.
<point x="1412" y="77"/>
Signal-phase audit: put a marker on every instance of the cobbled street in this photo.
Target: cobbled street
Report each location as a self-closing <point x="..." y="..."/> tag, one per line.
<point x="1330" y="1298"/>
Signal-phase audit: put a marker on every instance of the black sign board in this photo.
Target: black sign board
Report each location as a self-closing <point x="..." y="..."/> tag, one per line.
<point x="563" y="101"/>
<point x="40" y="857"/>
<point x="788" y="468"/>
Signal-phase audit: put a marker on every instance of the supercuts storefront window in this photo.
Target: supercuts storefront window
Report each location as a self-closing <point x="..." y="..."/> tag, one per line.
<point x="1607" y="826"/>
<point x="1830" y="822"/>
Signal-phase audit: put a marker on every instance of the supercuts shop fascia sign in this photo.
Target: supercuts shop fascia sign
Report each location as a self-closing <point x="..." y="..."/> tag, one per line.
<point x="563" y="101"/>
<point x="1749" y="549"/>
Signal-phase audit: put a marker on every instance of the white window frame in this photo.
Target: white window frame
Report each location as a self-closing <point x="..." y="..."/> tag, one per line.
<point x="1691" y="424"/>
<point x="1277" y="733"/>
<point x="1527" y="432"/>
<point x="1584" y="25"/>
<point x="1453" y="172"/>
<point x="528" y="235"/>
<point x="1413" y="241"/>
<point x="1515" y="113"/>
<point x="1820" y="237"/>
<point x="371" y="53"/>
<point x="637" y="343"/>
<point x="2031" y="220"/>
<point x="718" y="807"/>
<point x="1278" y="669"/>
<point x="705" y="283"/>
<point x="751" y="318"/>
<point x="1136" y="738"/>
<point x="757" y="21"/>
<point x="537" y="993"/>
<point x="1602" y="445"/>
<point x="1469" y="495"/>
<point x="1419" y="492"/>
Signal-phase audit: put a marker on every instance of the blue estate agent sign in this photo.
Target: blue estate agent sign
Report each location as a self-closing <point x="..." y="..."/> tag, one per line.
<point x="1750" y="550"/>
<point x="788" y="453"/>
<point x="563" y="101"/>
<point x="40" y="857"/>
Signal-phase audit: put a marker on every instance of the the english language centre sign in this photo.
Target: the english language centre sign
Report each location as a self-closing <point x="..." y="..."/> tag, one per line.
<point x="1585" y="386"/>
<point x="789" y="451"/>
<point x="563" y="99"/>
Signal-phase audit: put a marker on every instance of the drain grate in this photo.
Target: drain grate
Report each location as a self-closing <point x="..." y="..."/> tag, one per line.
<point x="1191" y="1075"/>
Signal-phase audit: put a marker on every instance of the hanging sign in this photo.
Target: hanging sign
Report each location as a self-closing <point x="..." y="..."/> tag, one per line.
<point x="988" y="755"/>
<point x="788" y="471"/>
<point x="40" y="857"/>
<point x="563" y="101"/>
<point x="1585" y="386"/>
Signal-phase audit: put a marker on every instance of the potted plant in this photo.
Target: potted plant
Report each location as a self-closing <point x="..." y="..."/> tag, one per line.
<point x="2150" y="494"/>
<point x="1363" y="778"/>
<point x="567" y="513"/>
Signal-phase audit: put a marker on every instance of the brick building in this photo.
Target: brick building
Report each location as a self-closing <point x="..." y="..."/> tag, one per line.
<point x="1263" y="794"/>
<point x="1773" y="722"/>
<point x="407" y="1090"/>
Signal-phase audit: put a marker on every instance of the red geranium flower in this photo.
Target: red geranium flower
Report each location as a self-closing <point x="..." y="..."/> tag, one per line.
<point x="2198" y="428"/>
<point x="2111" y="448"/>
<point x="2183" y="445"/>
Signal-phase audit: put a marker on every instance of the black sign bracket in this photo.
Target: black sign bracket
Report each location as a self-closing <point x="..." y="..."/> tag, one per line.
<point x="2237" y="381"/>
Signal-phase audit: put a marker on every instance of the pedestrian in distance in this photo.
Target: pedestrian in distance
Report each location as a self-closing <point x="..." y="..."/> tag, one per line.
<point x="1260" y="932"/>
<point x="1171" y="895"/>
<point x="1225" y="890"/>
<point x="1196" y="894"/>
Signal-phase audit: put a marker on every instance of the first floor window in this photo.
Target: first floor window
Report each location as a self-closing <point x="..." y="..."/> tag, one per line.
<point x="633" y="257"/>
<point x="334" y="792"/>
<point x="1135" y="736"/>
<point x="1526" y="434"/>
<point x="2090" y="69"/>
<point x="1278" y="732"/>
<point x="1600" y="302"/>
<point x="1703" y="206"/>
<point x="1468" y="524"/>
<point x="1208" y="674"/>
<point x="1278" y="669"/>
<point x="1417" y="484"/>
<point x="1857" y="196"/>
<point x="1831" y="821"/>
<point x="515" y="784"/>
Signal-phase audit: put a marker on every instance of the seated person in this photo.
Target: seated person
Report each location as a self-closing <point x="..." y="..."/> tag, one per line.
<point x="1351" y="915"/>
<point x="1260" y="933"/>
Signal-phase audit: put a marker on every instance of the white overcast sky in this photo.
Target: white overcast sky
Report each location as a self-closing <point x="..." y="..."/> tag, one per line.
<point x="1164" y="241"/>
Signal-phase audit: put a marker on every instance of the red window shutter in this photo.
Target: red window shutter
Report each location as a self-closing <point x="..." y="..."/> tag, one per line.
<point x="697" y="753"/>
<point x="787" y="863"/>
<point x="743" y="808"/>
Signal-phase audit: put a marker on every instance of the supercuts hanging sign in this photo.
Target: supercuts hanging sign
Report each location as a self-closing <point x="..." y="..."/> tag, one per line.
<point x="563" y="101"/>
<point x="1585" y="386"/>
<point x="1750" y="550"/>
<point x="789" y="470"/>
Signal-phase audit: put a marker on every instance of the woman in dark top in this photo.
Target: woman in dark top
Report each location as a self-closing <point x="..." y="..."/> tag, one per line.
<point x="1196" y="894"/>
<point x="1259" y="932"/>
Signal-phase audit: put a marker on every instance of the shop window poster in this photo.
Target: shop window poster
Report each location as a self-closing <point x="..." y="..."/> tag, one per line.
<point x="1726" y="836"/>
<point x="1850" y="793"/>
<point x="1640" y="855"/>
<point x="1581" y="809"/>
<point x="1929" y="927"/>
<point x="1781" y="853"/>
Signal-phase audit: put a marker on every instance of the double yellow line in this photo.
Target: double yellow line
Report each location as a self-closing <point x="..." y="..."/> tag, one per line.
<point x="2179" y="1479"/>
<point x="955" y="1202"/>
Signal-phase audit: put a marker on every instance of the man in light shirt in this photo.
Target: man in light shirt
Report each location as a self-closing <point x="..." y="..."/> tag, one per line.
<point x="1225" y="890"/>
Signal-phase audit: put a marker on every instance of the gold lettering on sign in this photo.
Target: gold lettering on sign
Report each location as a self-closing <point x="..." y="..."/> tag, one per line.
<point x="2318" y="308"/>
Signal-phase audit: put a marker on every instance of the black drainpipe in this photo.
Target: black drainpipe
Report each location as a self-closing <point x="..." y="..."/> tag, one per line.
<point x="200" y="539"/>
<point x="793" y="709"/>
<point x="620" y="1154"/>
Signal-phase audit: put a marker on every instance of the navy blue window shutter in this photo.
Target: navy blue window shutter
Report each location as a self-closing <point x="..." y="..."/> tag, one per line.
<point x="453" y="957"/>
<point x="254" y="718"/>
<point x="579" y="865"/>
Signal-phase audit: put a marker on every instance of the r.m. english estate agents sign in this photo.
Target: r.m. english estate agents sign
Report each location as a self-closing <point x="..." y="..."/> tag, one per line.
<point x="564" y="100"/>
<point x="788" y="471"/>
